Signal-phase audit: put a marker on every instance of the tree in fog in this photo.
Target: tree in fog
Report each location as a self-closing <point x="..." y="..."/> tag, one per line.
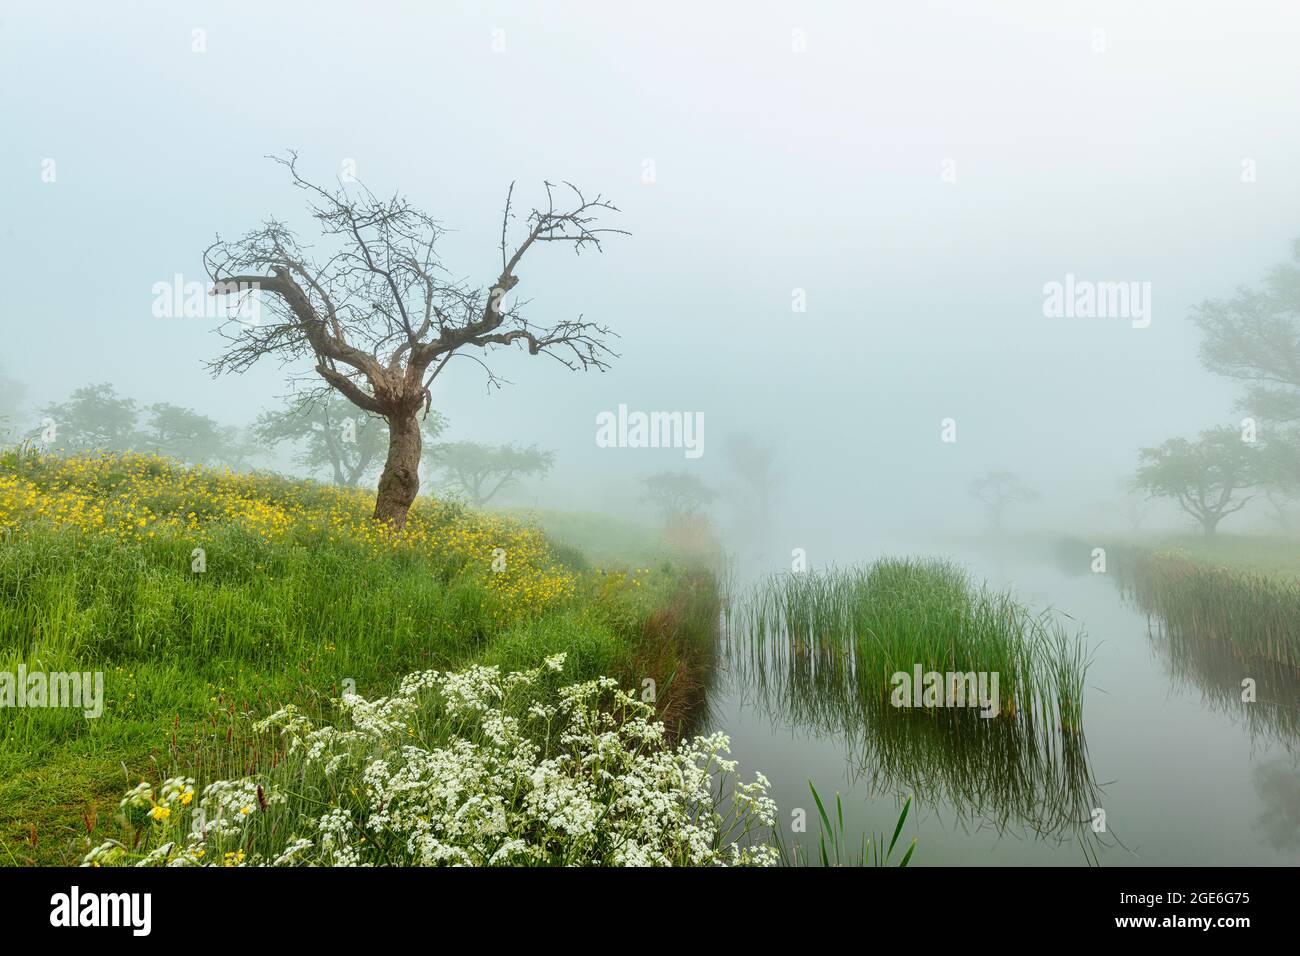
<point x="94" y="418"/>
<point x="1207" y="477"/>
<point x="181" y="433"/>
<point x="1134" y="506"/>
<point x="1254" y="338"/>
<point x="332" y="434"/>
<point x="754" y="465"/>
<point x="997" y="491"/>
<point x="677" y="494"/>
<point x="239" y="448"/>
<point x="1278" y="467"/>
<point x="480" y="471"/>
<point x="1279" y="461"/>
<point x="377" y="315"/>
<point x="1281" y="506"/>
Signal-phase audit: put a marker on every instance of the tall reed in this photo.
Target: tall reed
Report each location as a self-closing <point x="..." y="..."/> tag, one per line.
<point x="820" y="650"/>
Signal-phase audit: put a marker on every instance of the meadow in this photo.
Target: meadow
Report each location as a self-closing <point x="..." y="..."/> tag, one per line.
<point x="210" y="599"/>
<point x="288" y="682"/>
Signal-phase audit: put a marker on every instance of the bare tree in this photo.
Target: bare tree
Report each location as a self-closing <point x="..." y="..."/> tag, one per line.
<point x="998" y="489"/>
<point x="380" y="317"/>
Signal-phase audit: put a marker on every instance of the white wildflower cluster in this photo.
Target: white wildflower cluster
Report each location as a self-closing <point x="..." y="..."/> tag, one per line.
<point x="474" y="768"/>
<point x="228" y="806"/>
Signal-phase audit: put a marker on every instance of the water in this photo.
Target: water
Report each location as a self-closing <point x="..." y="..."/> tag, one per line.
<point x="1185" y="773"/>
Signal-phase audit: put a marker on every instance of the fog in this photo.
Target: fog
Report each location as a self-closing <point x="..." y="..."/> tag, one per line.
<point x="842" y="221"/>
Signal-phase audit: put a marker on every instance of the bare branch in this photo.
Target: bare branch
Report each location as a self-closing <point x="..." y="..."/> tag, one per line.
<point x="376" y="314"/>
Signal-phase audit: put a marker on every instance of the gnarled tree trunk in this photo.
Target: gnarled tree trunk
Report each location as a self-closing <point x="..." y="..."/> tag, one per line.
<point x="400" y="481"/>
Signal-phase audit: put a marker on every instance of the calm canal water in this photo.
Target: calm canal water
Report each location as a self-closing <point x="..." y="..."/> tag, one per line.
<point x="1186" y="774"/>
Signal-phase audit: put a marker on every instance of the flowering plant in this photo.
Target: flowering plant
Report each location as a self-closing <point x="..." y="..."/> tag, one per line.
<point x="473" y="768"/>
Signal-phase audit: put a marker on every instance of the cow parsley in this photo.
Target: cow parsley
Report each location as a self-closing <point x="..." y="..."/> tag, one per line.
<point x="473" y="768"/>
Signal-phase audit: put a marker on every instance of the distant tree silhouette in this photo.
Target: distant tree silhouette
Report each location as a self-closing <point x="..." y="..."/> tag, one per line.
<point x="997" y="491"/>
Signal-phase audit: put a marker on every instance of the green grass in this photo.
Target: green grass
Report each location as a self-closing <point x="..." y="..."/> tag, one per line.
<point x="1270" y="555"/>
<point x="186" y="657"/>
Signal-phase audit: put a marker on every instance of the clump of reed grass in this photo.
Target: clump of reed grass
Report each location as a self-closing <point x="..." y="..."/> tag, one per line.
<point x="853" y="629"/>
<point x="820" y="649"/>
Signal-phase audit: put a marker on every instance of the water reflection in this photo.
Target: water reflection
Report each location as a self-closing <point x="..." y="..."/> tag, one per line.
<point x="1233" y="675"/>
<point x="1012" y="773"/>
<point x="1172" y="750"/>
<point x="1277" y="782"/>
<point x="1262" y="696"/>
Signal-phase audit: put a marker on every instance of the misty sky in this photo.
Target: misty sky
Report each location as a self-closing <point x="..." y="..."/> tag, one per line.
<point x="774" y="170"/>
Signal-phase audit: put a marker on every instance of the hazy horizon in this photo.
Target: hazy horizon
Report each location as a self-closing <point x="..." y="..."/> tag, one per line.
<point x="920" y="173"/>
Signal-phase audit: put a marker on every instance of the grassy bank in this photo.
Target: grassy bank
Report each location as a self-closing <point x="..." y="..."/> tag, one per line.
<point x="208" y="599"/>
<point x="1252" y="613"/>
<point x="595" y="538"/>
<point x="1268" y="555"/>
<point x="1240" y="592"/>
<point x="1221" y="610"/>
